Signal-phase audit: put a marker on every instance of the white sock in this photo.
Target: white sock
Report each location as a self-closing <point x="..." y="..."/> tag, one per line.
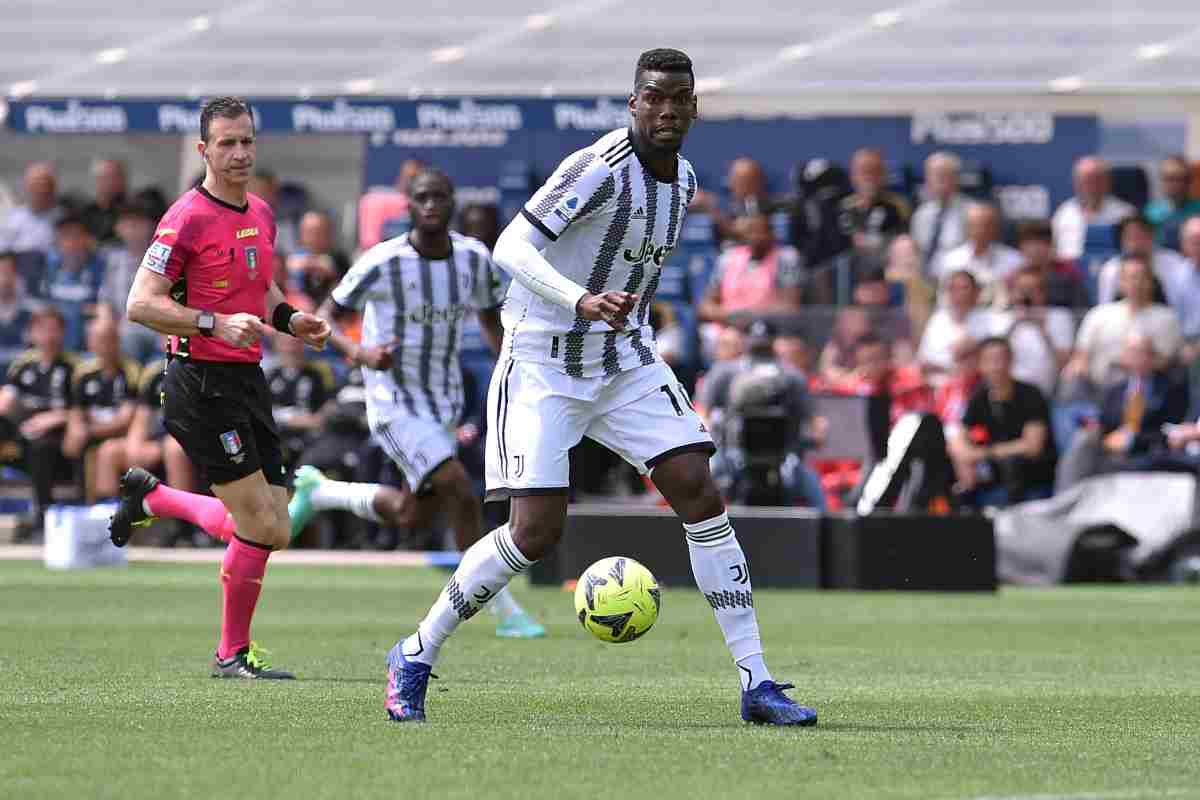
<point x="721" y="572"/>
<point x="485" y="569"/>
<point x="357" y="498"/>
<point x="504" y="604"/>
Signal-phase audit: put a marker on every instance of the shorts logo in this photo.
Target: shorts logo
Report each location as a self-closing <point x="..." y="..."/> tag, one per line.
<point x="156" y="258"/>
<point x="232" y="444"/>
<point x="252" y="261"/>
<point x="520" y="470"/>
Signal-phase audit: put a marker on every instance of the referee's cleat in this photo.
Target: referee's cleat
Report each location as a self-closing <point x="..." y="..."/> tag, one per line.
<point x="406" y="686"/>
<point x="136" y="483"/>
<point x="300" y="509"/>
<point x="766" y="704"/>
<point x="249" y="662"/>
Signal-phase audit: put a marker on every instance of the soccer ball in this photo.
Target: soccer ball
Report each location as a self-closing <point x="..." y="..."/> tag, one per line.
<point x="617" y="599"/>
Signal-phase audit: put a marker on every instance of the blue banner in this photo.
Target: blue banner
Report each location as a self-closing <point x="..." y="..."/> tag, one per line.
<point x="507" y="145"/>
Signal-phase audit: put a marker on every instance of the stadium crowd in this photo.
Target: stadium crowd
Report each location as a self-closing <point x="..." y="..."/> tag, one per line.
<point x="1047" y="350"/>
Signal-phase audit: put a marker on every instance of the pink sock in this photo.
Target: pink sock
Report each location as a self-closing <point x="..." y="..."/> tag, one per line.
<point x="207" y="512"/>
<point x="242" y="572"/>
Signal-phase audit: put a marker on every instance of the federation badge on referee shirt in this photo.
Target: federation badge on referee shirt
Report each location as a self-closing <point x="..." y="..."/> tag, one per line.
<point x="252" y="261"/>
<point x="232" y="444"/>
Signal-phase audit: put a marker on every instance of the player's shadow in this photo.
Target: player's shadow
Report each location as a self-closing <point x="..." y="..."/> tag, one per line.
<point x="898" y="727"/>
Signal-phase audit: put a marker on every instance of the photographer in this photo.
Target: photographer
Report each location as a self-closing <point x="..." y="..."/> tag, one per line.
<point x="759" y="412"/>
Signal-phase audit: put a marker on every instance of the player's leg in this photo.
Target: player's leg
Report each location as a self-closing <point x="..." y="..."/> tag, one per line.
<point x="424" y="451"/>
<point x="659" y="432"/>
<point x="531" y="428"/>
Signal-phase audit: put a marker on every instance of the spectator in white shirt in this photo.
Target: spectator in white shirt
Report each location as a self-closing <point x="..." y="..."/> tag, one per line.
<point x="1040" y="335"/>
<point x="1103" y="331"/>
<point x="30" y="228"/>
<point x="940" y="223"/>
<point x="1091" y="205"/>
<point x="960" y="314"/>
<point x="988" y="259"/>
<point x="1137" y="238"/>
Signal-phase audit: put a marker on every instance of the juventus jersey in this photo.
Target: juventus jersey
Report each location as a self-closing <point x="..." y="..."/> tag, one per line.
<point x="611" y="225"/>
<point x="416" y="306"/>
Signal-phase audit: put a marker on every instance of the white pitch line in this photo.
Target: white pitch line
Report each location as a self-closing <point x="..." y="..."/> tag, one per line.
<point x="1118" y="794"/>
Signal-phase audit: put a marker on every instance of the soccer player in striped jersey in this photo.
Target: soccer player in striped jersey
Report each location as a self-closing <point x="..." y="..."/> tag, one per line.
<point x="579" y="358"/>
<point x="414" y="291"/>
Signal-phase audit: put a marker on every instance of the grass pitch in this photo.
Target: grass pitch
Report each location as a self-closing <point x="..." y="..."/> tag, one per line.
<point x="1058" y="693"/>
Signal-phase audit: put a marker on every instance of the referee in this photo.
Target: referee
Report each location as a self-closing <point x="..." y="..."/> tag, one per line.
<point x="206" y="282"/>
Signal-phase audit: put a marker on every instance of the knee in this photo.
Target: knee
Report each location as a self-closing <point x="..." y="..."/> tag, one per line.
<point x="269" y="524"/>
<point x="396" y="508"/>
<point x="535" y="535"/>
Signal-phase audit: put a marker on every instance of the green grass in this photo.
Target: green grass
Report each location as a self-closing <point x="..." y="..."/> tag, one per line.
<point x="104" y="693"/>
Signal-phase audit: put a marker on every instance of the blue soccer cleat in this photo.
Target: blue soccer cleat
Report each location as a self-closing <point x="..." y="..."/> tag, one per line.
<point x="766" y="704"/>
<point x="407" y="682"/>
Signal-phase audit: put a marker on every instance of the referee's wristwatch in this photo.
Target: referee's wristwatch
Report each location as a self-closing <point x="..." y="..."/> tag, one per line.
<point x="206" y="323"/>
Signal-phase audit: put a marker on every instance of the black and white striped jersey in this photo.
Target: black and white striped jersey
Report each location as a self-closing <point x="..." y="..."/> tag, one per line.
<point x="612" y="224"/>
<point x="416" y="306"/>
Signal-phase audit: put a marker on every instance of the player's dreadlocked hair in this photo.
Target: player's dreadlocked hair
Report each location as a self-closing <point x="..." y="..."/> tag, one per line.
<point x="663" y="59"/>
<point x="428" y="172"/>
<point x="225" y="108"/>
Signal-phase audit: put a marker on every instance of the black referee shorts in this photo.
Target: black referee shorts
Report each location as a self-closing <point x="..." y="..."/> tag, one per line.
<point x="220" y="413"/>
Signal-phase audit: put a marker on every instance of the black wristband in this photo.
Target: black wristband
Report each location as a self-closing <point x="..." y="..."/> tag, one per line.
<point x="282" y="316"/>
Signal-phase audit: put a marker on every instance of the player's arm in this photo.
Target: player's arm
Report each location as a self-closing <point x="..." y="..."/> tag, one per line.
<point x="309" y="328"/>
<point x="150" y="304"/>
<point x="519" y="252"/>
<point x="76" y="435"/>
<point x="489" y="325"/>
<point x="8" y="400"/>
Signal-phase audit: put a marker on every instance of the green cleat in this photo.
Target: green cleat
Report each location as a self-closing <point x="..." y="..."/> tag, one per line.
<point x="249" y="662"/>
<point x="300" y="507"/>
<point x="520" y="626"/>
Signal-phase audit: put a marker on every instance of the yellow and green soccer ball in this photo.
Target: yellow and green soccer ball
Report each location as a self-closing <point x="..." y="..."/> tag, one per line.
<point x="617" y="599"/>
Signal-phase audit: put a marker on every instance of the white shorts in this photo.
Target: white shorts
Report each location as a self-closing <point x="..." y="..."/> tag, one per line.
<point x="418" y="445"/>
<point x="536" y="413"/>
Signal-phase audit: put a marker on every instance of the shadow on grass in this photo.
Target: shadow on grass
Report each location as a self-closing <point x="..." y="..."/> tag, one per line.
<point x="898" y="727"/>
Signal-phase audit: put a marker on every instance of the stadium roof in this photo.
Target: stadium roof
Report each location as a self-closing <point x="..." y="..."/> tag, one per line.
<point x="531" y="47"/>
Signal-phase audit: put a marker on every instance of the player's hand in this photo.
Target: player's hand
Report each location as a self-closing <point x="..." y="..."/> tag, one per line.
<point x="310" y="329"/>
<point x="240" y="330"/>
<point x="612" y="307"/>
<point x="377" y="358"/>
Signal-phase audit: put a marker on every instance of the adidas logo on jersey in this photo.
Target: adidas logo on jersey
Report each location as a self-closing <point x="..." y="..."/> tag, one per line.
<point x="639" y="214"/>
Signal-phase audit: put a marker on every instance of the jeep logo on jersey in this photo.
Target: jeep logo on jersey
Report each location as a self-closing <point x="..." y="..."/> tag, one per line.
<point x="427" y="314"/>
<point x="647" y="252"/>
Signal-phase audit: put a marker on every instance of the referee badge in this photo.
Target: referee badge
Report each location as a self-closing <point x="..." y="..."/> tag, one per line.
<point x="232" y="444"/>
<point x="252" y="261"/>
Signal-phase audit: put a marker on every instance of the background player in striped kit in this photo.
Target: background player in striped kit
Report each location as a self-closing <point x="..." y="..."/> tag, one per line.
<point x="415" y="290"/>
<point x="579" y="359"/>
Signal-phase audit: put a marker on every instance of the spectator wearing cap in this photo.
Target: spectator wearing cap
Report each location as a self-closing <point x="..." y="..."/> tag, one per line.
<point x="15" y="312"/>
<point x="870" y="216"/>
<point x="135" y="229"/>
<point x="1136" y="237"/>
<point x="316" y="267"/>
<point x="939" y="224"/>
<point x="1064" y="282"/>
<point x="960" y="314"/>
<point x="982" y="254"/>
<point x="34" y="405"/>
<point x="1092" y="204"/>
<point x="30" y="228"/>
<point x="111" y="187"/>
<point x="1176" y="206"/>
<point x="73" y="276"/>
